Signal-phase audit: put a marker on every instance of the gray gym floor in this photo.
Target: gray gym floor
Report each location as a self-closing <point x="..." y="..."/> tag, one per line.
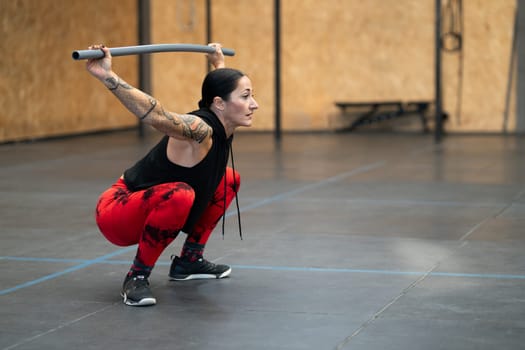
<point x="351" y="241"/>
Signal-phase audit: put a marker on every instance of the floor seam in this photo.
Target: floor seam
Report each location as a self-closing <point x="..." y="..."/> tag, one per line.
<point x="49" y="331"/>
<point x="376" y="315"/>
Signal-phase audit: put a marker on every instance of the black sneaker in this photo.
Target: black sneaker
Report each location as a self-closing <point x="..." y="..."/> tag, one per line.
<point x="136" y="291"/>
<point x="181" y="270"/>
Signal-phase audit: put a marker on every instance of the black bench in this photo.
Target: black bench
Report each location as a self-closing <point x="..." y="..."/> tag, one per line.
<point x="376" y="111"/>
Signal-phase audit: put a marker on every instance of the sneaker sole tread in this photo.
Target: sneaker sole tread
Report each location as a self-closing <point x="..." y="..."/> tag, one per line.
<point x="141" y="302"/>
<point x="200" y="276"/>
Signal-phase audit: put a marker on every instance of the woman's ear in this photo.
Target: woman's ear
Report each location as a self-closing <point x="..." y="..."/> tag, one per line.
<point x="218" y="102"/>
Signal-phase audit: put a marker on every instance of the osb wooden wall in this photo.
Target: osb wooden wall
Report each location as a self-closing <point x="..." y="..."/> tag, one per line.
<point x="245" y="26"/>
<point x="486" y="61"/>
<point x="353" y="51"/>
<point x="381" y="50"/>
<point x="331" y="50"/>
<point x="348" y="50"/>
<point x="43" y="91"/>
<point x="176" y="77"/>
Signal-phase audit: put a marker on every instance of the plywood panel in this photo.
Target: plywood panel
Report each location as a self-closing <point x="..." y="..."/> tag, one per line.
<point x="353" y="51"/>
<point x="378" y="50"/>
<point x="486" y="58"/>
<point x="178" y="77"/>
<point x="332" y="50"/>
<point x="43" y="91"/>
<point x="248" y="26"/>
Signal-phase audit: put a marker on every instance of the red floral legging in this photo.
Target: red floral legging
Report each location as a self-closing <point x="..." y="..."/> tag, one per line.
<point x="152" y="218"/>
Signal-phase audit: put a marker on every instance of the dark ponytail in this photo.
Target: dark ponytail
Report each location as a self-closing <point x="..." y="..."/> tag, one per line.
<point x="220" y="82"/>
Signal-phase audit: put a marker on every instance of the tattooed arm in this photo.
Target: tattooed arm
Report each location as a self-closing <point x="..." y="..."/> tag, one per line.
<point x="150" y="111"/>
<point x="145" y="107"/>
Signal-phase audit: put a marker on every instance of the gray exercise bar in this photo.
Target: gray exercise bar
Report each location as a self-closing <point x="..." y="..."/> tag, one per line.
<point x="143" y="49"/>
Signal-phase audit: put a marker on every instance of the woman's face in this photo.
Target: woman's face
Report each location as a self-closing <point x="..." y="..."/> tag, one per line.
<point x="241" y="105"/>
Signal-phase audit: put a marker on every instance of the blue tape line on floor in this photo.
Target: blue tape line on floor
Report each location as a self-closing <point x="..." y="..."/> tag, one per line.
<point x="103" y="260"/>
<point x="85" y="263"/>
<point x="63" y="272"/>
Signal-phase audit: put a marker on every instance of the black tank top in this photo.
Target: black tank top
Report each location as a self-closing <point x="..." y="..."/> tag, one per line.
<point x="155" y="168"/>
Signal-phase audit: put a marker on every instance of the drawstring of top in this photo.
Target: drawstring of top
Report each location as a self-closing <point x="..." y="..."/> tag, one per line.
<point x="236" y="197"/>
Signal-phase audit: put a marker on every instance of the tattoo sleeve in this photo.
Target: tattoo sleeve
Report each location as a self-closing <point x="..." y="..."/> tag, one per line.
<point x="153" y="103"/>
<point x="114" y="83"/>
<point x="143" y="106"/>
<point x="192" y="127"/>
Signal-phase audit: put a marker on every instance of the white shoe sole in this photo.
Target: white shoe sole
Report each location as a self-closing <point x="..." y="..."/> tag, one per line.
<point x="201" y="276"/>
<point x="141" y="302"/>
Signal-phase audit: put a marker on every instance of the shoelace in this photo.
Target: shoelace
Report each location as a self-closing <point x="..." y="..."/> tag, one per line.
<point x="140" y="282"/>
<point x="236" y="196"/>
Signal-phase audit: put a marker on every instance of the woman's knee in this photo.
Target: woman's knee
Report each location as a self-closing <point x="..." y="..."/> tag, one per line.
<point x="115" y="232"/>
<point x="122" y="219"/>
